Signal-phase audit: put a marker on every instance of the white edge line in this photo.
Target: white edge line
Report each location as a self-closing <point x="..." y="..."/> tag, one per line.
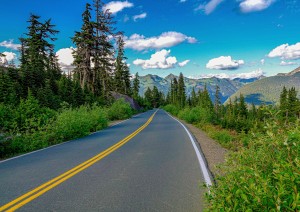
<point x="203" y="167"/>
<point x="19" y="156"/>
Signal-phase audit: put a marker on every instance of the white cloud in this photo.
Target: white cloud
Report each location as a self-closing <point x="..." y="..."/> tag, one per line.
<point x="10" y="45"/>
<point x="65" y="58"/>
<point x="117" y="6"/>
<point x="9" y="56"/>
<point x="283" y="63"/>
<point x="286" y="52"/>
<point x="209" y="7"/>
<point x="262" y="61"/>
<point x="140" y="16"/>
<point x="159" y="60"/>
<point x="248" y="6"/>
<point x="183" y="63"/>
<point x="165" y="40"/>
<point x="224" y="63"/>
<point x="248" y="75"/>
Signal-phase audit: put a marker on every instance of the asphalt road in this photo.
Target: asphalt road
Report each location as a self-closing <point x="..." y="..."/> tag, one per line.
<point x="156" y="170"/>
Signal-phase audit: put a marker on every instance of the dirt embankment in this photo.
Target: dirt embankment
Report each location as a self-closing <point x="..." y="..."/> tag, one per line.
<point x="213" y="151"/>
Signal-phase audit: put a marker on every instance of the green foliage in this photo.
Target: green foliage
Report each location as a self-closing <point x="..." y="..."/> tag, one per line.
<point x="262" y="177"/>
<point x="119" y="110"/>
<point x="195" y="115"/>
<point x="173" y="109"/>
<point x="79" y="122"/>
<point x="30" y="116"/>
<point x="29" y="126"/>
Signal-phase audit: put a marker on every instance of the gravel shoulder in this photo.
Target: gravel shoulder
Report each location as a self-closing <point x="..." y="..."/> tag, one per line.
<point x="213" y="151"/>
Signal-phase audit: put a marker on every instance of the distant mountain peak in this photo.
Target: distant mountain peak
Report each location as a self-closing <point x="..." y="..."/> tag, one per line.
<point x="171" y="76"/>
<point x="297" y="70"/>
<point x="294" y="72"/>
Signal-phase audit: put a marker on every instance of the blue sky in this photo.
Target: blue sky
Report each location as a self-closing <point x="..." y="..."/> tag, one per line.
<point x="199" y="38"/>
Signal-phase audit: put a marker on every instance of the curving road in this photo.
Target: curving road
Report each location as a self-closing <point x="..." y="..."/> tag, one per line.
<point x="155" y="168"/>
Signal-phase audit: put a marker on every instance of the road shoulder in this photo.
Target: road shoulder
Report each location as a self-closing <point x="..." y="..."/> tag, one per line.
<point x="213" y="152"/>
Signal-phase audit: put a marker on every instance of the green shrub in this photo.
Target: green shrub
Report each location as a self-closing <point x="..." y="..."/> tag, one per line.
<point x="174" y="110"/>
<point x="30" y="116"/>
<point x="75" y="123"/>
<point x="119" y="110"/>
<point x="262" y="177"/>
<point x="33" y="127"/>
<point x="195" y="115"/>
<point x="6" y="117"/>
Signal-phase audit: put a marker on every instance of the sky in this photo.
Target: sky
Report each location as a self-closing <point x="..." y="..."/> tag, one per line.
<point x="224" y="38"/>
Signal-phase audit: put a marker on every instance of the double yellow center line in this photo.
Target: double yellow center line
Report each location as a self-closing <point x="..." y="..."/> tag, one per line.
<point x="33" y="194"/>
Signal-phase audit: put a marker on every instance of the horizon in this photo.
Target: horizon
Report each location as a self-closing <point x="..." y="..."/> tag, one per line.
<point x="210" y="38"/>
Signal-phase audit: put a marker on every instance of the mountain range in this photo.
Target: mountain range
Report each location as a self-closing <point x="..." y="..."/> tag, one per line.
<point x="227" y="86"/>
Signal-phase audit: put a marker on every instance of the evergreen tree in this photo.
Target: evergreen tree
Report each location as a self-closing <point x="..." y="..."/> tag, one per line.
<point x="193" y="98"/>
<point x="217" y="105"/>
<point x="148" y="97"/>
<point x="103" y="49"/>
<point x="38" y="61"/>
<point x="181" y="96"/>
<point x="205" y="100"/>
<point x="242" y="107"/>
<point x="155" y="97"/>
<point x="84" y="41"/>
<point x="293" y="102"/>
<point x="136" y="86"/>
<point x="122" y="74"/>
<point x="94" y="55"/>
<point x="284" y="102"/>
<point x="174" y="91"/>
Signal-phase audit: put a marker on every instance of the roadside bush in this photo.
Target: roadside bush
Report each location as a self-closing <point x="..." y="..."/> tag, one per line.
<point x="6" y="116"/>
<point x="75" y="123"/>
<point x="119" y="110"/>
<point x="30" y="116"/>
<point x="195" y="115"/>
<point x="29" y="127"/>
<point x="170" y="108"/>
<point x="69" y="124"/>
<point x="262" y="177"/>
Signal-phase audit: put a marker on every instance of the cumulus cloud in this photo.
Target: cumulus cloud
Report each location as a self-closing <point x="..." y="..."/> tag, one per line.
<point x="10" y="45"/>
<point x="165" y="40"/>
<point x="140" y="16"/>
<point x="248" y="6"/>
<point x="8" y="56"/>
<point x="160" y="60"/>
<point x="183" y="63"/>
<point x="65" y="58"/>
<point x="117" y="6"/>
<point x="286" y="52"/>
<point x="224" y="63"/>
<point x="262" y="61"/>
<point x="284" y="63"/>
<point x="248" y="75"/>
<point x="209" y="7"/>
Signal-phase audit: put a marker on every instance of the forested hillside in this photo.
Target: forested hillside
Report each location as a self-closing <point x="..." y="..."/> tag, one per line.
<point x="267" y="90"/>
<point x="41" y="105"/>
